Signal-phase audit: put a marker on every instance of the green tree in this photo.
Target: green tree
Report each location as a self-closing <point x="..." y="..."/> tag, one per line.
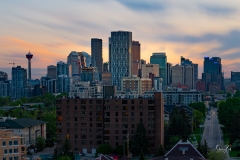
<point x="160" y="151"/>
<point x="198" y="118"/>
<point x="217" y="155"/>
<point x="205" y="149"/>
<point x="140" y="141"/>
<point x="142" y="157"/>
<point x="200" y="106"/>
<point x="66" y="149"/>
<point x="119" y="150"/>
<point x="173" y="140"/>
<point x="40" y="143"/>
<point x="104" y="149"/>
<point x="179" y="125"/>
<point x="237" y="94"/>
<point x="64" y="158"/>
<point x="235" y="128"/>
<point x="50" y="117"/>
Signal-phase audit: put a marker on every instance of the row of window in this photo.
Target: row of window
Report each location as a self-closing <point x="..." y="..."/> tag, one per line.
<point x="10" y="151"/>
<point x="10" y="143"/>
<point x="10" y="158"/>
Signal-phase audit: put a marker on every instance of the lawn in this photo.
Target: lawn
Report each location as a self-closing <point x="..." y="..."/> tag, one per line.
<point x="233" y="153"/>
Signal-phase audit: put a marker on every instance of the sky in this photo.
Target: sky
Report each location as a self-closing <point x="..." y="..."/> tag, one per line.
<point x="51" y="29"/>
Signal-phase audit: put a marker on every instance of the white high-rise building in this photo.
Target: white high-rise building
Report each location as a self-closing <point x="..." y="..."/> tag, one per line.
<point x="120" y="56"/>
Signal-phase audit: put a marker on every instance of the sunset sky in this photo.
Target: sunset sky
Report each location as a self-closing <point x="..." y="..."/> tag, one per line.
<point x="51" y="29"/>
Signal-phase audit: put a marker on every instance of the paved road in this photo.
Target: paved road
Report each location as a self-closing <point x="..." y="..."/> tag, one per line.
<point x="212" y="132"/>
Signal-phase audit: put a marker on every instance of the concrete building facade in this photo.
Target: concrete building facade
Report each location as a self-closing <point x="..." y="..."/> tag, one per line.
<point x="150" y="68"/>
<point x="90" y="122"/>
<point x="12" y="147"/>
<point x="136" y="85"/>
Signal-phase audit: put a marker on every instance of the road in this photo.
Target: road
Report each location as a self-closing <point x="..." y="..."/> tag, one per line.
<point x="212" y="132"/>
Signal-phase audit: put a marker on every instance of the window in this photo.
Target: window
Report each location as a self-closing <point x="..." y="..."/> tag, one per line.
<point x="5" y="151"/>
<point x="15" y="150"/>
<point x="10" y="143"/>
<point x="141" y="113"/>
<point x="132" y="107"/>
<point x="4" y="158"/>
<point x="116" y="114"/>
<point x="15" y="158"/>
<point x="75" y="118"/>
<point x="15" y="142"/>
<point x="4" y="143"/>
<point x="10" y="158"/>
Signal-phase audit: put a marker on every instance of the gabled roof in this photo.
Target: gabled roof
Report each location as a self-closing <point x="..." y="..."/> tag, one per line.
<point x="182" y="150"/>
<point x="21" y="123"/>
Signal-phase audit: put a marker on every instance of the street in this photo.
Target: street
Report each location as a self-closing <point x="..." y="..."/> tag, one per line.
<point x="212" y="132"/>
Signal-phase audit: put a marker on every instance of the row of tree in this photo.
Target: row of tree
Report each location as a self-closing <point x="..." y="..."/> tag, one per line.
<point x="47" y="115"/>
<point x="229" y="117"/>
<point x="48" y="100"/>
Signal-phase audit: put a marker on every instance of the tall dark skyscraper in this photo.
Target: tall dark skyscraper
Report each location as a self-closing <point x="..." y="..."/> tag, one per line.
<point x="19" y="82"/>
<point x="212" y="72"/>
<point x="169" y="73"/>
<point x="136" y="58"/>
<point x="96" y="57"/>
<point x="120" y="56"/>
<point x="29" y="57"/>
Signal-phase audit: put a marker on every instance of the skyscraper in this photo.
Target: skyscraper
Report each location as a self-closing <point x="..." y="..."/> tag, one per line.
<point x="177" y="75"/>
<point x="169" y="73"/>
<point x="120" y="56"/>
<point x="19" y="82"/>
<point x="105" y="67"/>
<point x="73" y="59"/>
<point x="63" y="83"/>
<point x="62" y="68"/>
<point x="161" y="59"/>
<point x="189" y="76"/>
<point x="52" y="71"/>
<point x="29" y="57"/>
<point x="136" y="58"/>
<point x="96" y="55"/>
<point x="88" y="58"/>
<point x="185" y="62"/>
<point x="213" y="72"/>
<point x="3" y="76"/>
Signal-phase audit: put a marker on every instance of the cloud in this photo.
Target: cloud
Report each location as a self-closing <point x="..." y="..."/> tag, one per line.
<point x="147" y="6"/>
<point x="218" y="10"/>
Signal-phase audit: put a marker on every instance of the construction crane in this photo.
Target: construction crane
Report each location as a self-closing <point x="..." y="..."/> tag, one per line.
<point x="13" y="63"/>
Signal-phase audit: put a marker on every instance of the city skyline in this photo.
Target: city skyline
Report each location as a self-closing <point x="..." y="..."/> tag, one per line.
<point x="51" y="31"/>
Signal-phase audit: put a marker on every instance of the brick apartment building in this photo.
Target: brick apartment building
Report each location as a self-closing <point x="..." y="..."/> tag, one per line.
<point x="91" y="122"/>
